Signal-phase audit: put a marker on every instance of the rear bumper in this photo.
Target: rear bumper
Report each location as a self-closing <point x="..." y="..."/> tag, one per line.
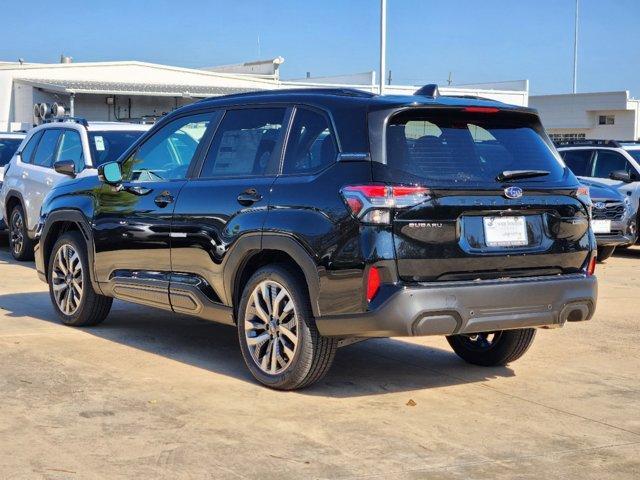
<point x="469" y="307"/>
<point x="614" y="240"/>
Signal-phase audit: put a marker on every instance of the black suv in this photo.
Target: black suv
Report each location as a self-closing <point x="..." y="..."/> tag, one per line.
<point x="313" y="218"/>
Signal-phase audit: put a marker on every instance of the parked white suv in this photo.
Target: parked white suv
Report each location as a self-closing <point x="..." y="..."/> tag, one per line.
<point x="49" y="154"/>
<point x="614" y="163"/>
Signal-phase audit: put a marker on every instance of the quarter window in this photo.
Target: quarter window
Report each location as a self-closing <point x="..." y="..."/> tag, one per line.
<point x="167" y="154"/>
<point x="71" y="149"/>
<point x="245" y="143"/>
<point x="311" y="145"/>
<point x="47" y="148"/>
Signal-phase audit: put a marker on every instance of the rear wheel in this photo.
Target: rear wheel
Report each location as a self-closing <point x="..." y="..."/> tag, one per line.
<point x="278" y="337"/>
<point x="19" y="242"/>
<point x="605" y="252"/>
<point x="491" y="349"/>
<point x="73" y="297"/>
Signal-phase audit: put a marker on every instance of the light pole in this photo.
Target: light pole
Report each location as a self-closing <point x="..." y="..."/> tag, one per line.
<point x="575" y="50"/>
<point x="383" y="43"/>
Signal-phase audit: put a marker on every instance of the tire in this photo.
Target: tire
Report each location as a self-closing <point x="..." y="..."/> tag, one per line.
<point x="605" y="252"/>
<point x="19" y="242"/>
<point x="72" y="294"/>
<point x="300" y="364"/>
<point x="491" y="349"/>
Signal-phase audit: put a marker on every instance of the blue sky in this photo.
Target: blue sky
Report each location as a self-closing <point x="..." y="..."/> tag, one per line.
<point x="476" y="40"/>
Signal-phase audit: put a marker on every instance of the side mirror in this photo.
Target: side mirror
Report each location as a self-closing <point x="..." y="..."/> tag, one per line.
<point x="110" y="173"/>
<point x="65" y="167"/>
<point x="620" y="175"/>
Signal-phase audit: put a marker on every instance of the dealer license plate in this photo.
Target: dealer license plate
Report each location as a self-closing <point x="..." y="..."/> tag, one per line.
<point x="601" y="226"/>
<point x="505" y="231"/>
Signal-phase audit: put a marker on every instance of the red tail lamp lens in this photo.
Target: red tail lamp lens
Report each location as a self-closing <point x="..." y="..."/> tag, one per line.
<point x="373" y="283"/>
<point x="591" y="268"/>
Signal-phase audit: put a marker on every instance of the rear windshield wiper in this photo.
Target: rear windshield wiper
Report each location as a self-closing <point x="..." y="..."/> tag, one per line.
<point x="518" y="174"/>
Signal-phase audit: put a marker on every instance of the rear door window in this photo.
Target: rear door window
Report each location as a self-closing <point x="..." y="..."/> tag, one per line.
<point x="245" y="143"/>
<point x="47" y="148"/>
<point x="311" y="145"/>
<point x="446" y="147"/>
<point x="578" y="161"/>
<point x="27" y="152"/>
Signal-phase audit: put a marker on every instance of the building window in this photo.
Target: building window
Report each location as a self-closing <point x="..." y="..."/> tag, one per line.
<point x="606" y="120"/>
<point x="563" y="137"/>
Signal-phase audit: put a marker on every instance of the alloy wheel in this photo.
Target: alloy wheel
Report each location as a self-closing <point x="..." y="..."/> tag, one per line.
<point x="271" y="327"/>
<point x="67" y="279"/>
<point x="17" y="232"/>
<point x="481" y="341"/>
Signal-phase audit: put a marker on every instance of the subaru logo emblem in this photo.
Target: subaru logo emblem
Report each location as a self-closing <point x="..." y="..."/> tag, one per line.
<point x="513" y="192"/>
<point x="600" y="205"/>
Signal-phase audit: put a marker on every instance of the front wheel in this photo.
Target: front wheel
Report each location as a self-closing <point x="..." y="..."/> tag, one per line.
<point x="278" y="337"/>
<point x="491" y="349"/>
<point x="605" y="252"/>
<point x="73" y="297"/>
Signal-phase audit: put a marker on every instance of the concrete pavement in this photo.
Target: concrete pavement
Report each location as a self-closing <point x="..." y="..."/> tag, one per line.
<point x="148" y="394"/>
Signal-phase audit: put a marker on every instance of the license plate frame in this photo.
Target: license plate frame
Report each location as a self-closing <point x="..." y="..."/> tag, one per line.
<point x="601" y="226"/>
<point x="505" y="231"/>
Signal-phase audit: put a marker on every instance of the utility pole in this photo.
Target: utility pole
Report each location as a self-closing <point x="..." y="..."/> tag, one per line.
<point x="575" y="51"/>
<point x="383" y="43"/>
<point x="450" y="79"/>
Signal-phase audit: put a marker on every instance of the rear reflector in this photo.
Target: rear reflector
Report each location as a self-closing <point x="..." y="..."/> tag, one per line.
<point x="481" y="109"/>
<point x="591" y="268"/>
<point x="373" y="283"/>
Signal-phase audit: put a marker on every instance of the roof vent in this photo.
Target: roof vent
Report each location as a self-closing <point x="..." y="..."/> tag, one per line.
<point x="430" y="90"/>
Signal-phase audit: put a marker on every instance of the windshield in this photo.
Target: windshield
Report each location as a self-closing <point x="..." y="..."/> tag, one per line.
<point x="8" y="147"/>
<point x="449" y="147"/>
<point x="108" y="146"/>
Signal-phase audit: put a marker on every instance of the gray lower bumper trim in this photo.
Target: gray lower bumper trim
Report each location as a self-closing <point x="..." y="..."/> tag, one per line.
<point x="469" y="307"/>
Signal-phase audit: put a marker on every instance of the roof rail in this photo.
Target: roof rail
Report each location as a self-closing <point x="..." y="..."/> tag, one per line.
<point x="587" y="143"/>
<point x="346" y="92"/>
<point x="82" y="121"/>
<point x="430" y="90"/>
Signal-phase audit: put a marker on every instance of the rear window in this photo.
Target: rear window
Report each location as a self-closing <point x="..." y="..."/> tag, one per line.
<point x="8" y="147"/>
<point x="108" y="146"/>
<point x="454" y="147"/>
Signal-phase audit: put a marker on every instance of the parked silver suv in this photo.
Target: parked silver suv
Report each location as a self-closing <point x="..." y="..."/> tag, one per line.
<point x="62" y="148"/>
<point x="614" y="163"/>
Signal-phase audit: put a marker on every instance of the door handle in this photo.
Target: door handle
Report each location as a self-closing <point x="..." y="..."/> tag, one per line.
<point x="249" y="197"/>
<point x="164" y="199"/>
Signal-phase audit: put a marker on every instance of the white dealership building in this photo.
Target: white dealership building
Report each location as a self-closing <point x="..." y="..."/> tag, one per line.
<point x="134" y="91"/>
<point x="600" y="115"/>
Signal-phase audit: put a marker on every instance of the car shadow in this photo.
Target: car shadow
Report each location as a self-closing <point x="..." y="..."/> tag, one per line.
<point x="374" y="367"/>
<point x="631" y="252"/>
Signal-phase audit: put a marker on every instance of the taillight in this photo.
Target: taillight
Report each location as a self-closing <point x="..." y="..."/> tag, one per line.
<point x="591" y="267"/>
<point x="373" y="203"/>
<point x="373" y="283"/>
